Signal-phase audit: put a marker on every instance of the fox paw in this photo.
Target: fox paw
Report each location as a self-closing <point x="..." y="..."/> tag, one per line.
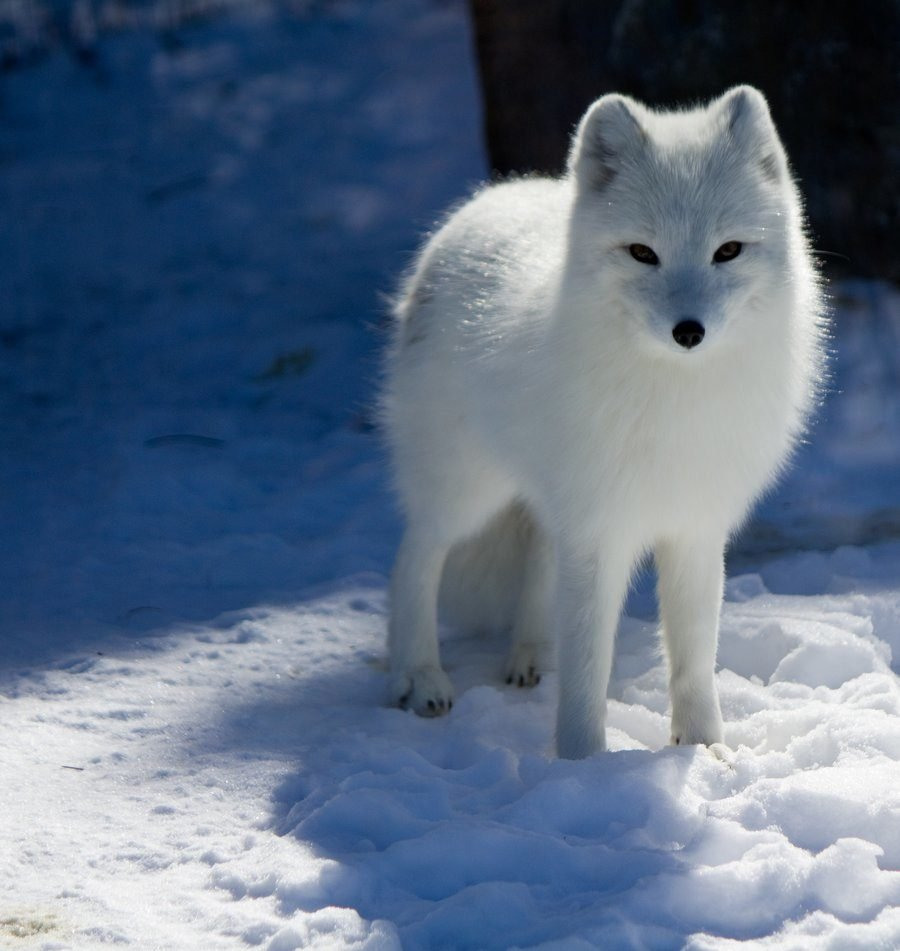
<point x="426" y="690"/>
<point x="522" y="666"/>
<point x="697" y="720"/>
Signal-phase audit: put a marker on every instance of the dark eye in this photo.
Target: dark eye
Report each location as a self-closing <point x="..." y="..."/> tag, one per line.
<point x="728" y="252"/>
<point x="640" y="252"/>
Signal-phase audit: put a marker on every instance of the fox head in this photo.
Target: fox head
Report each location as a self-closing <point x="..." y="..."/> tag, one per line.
<point x="689" y="219"/>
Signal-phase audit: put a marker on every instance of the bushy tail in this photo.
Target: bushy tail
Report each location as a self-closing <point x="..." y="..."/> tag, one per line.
<point x="482" y="578"/>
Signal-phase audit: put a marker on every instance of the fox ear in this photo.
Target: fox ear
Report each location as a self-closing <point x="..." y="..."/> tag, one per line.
<point x="609" y="131"/>
<point x="750" y="126"/>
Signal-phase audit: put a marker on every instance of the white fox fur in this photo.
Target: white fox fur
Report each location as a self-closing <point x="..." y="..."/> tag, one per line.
<point x="540" y="412"/>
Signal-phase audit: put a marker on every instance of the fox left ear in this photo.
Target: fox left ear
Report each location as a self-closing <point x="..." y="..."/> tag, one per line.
<point x="608" y="135"/>
<point x="749" y="123"/>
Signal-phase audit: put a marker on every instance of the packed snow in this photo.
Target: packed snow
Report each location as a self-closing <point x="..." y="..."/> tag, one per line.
<point x="198" y="228"/>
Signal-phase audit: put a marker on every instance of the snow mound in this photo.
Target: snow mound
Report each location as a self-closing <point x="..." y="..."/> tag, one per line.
<point x="465" y="832"/>
<point x="248" y="773"/>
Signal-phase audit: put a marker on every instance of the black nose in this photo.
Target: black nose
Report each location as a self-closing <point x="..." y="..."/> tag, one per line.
<point x="688" y="333"/>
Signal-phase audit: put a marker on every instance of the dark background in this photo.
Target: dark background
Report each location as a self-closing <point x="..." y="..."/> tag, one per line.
<point x="831" y="73"/>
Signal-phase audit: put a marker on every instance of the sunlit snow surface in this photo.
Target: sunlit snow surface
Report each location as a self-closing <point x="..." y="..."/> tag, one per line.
<point x="194" y="747"/>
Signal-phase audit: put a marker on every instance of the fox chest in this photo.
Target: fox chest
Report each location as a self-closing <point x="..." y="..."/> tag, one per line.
<point x="673" y="464"/>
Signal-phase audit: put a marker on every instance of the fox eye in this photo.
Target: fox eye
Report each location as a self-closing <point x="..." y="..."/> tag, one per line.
<point x="640" y="252"/>
<point x="728" y="251"/>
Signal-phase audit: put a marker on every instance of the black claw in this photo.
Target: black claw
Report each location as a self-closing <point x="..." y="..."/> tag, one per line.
<point x="449" y="704"/>
<point x="431" y="705"/>
<point x="509" y="679"/>
<point x="403" y="702"/>
<point x="537" y="679"/>
<point x="521" y="681"/>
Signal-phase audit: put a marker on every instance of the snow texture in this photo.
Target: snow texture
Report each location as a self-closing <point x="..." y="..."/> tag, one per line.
<point x="194" y="747"/>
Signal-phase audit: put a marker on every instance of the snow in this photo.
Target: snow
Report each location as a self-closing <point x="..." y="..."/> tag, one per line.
<point x="194" y="744"/>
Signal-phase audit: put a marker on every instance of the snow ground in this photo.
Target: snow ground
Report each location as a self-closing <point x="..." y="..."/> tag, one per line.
<point x="194" y="747"/>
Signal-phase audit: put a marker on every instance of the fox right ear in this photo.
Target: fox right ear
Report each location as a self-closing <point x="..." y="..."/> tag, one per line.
<point x="751" y="128"/>
<point x="609" y="130"/>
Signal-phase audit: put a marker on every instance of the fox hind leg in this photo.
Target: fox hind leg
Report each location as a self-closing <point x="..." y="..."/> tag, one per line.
<point x="454" y="506"/>
<point x="531" y="623"/>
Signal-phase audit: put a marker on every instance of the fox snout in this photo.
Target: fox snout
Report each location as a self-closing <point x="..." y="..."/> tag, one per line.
<point x="688" y="333"/>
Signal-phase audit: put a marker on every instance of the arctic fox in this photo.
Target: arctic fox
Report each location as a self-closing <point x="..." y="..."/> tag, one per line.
<point x="592" y="368"/>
